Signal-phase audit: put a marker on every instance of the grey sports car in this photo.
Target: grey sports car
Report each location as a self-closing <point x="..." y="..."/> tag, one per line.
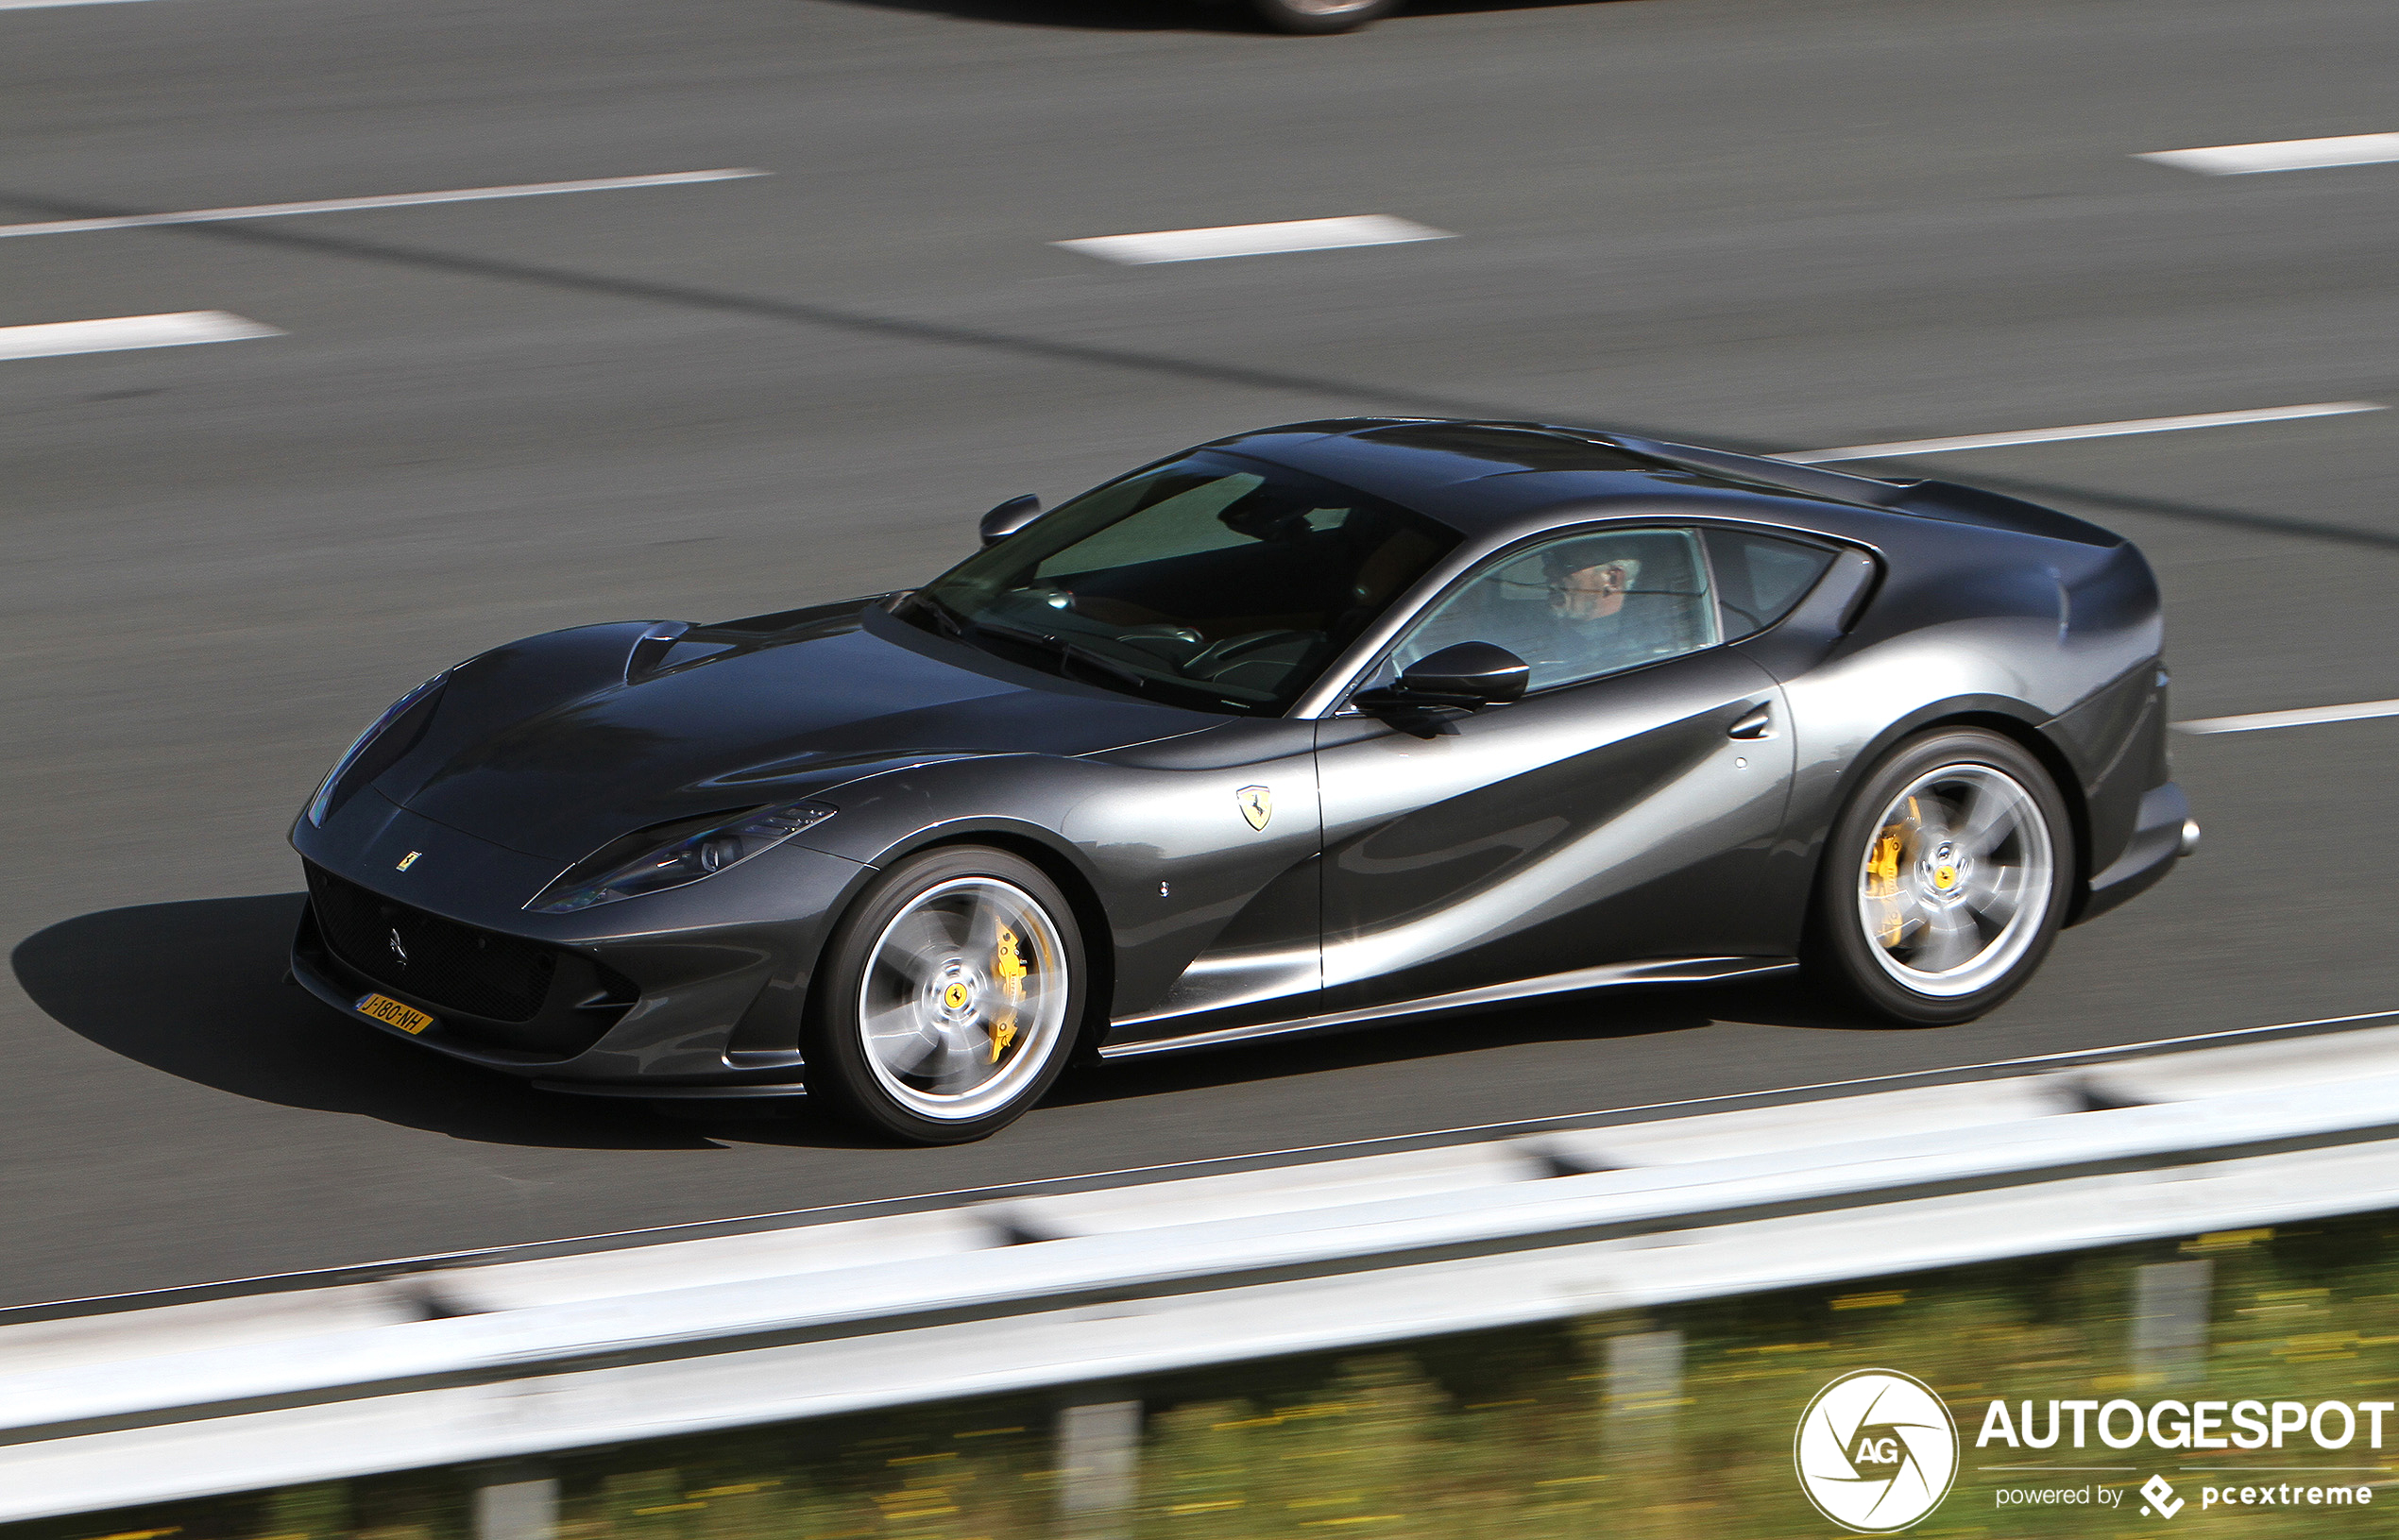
<point x="1307" y="728"/>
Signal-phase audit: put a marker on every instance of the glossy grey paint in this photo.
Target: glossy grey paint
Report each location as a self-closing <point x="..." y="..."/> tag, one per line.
<point x="1616" y="808"/>
<point x="1595" y="827"/>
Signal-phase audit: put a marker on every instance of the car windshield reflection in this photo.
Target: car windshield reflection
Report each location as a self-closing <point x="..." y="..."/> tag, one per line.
<point x="1213" y="582"/>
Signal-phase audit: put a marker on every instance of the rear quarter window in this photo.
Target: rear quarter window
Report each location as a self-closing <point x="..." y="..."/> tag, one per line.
<point x="1760" y="577"/>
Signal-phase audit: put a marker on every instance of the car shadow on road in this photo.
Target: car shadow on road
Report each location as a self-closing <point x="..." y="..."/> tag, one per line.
<point x="195" y="990"/>
<point x="1627" y="1013"/>
<point x="1082" y="15"/>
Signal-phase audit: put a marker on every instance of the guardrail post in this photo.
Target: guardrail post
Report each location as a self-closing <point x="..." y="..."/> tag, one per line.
<point x="1641" y="1395"/>
<point x="2170" y="1320"/>
<point x="1640" y="1387"/>
<point x="1099" y="1462"/>
<point x="515" y="1507"/>
<point x="1644" y="1382"/>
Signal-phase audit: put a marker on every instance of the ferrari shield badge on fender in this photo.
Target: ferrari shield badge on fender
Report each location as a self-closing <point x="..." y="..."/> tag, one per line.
<point x="1257" y="804"/>
<point x="408" y="860"/>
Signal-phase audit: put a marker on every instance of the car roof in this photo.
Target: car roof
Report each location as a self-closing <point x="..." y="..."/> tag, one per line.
<point x="1483" y="478"/>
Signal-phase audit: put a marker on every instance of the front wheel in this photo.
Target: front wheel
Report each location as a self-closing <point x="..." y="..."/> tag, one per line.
<point x="1945" y="880"/>
<point x="949" y="998"/>
<point x="1321" y="16"/>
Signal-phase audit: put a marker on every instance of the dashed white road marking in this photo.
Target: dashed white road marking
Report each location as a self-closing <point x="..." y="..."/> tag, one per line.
<point x="2303" y="716"/>
<point x="2281" y="155"/>
<point x="43" y="5"/>
<point x="117" y="333"/>
<point x="2088" y="429"/>
<point x="387" y="200"/>
<point x="1254" y="240"/>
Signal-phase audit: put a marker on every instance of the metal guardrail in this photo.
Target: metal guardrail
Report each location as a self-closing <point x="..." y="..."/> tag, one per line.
<point x="498" y="1359"/>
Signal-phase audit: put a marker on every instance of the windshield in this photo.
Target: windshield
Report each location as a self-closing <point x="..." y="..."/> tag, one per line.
<point x="1213" y="582"/>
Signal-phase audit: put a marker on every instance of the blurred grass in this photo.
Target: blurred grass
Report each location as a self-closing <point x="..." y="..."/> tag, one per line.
<point x="1503" y="1435"/>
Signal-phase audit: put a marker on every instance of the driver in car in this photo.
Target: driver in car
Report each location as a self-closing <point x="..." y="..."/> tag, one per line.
<point x="1600" y="619"/>
<point x="1584" y="590"/>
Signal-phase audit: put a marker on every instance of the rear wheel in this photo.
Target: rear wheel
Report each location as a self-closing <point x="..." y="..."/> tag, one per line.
<point x="1321" y="16"/>
<point x="1944" y="879"/>
<point x="949" y="998"/>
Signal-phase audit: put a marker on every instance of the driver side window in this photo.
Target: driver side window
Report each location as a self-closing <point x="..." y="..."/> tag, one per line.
<point x="1580" y="607"/>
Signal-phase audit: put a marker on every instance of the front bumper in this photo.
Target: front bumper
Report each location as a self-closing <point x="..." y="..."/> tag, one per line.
<point x="697" y="991"/>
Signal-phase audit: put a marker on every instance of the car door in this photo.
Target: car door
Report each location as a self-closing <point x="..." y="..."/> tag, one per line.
<point x="1205" y="849"/>
<point x="1623" y="809"/>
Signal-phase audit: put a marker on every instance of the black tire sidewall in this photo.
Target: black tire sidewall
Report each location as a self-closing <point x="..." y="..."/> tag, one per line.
<point x="838" y="1076"/>
<point x="1839" y="950"/>
<point x="1282" y="17"/>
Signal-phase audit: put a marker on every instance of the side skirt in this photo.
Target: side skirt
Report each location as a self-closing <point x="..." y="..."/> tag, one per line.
<point x="668" y="1092"/>
<point x="1657" y="970"/>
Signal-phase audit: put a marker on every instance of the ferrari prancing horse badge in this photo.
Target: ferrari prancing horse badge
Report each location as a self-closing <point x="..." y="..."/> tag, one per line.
<point x="1257" y="804"/>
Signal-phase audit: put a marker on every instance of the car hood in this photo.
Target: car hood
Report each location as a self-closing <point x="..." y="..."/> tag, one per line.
<point x="556" y="745"/>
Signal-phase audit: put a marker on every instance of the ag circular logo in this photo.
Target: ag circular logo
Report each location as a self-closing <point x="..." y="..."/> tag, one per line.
<point x="1876" y="1451"/>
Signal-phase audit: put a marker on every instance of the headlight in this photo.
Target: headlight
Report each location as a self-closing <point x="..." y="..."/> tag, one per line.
<point x="671" y="855"/>
<point x="369" y="756"/>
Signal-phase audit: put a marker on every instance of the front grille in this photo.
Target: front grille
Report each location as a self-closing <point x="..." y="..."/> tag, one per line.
<point x="479" y="972"/>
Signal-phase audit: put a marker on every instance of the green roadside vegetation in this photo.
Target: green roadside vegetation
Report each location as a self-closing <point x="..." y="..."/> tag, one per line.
<point x="1500" y="1435"/>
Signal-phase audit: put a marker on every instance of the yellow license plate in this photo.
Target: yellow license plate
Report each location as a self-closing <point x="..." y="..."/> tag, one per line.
<point x="392" y="1013"/>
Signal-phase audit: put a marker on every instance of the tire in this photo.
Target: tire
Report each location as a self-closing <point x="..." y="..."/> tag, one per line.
<point x="1944" y="881"/>
<point x="1319" y="17"/>
<point x="950" y="997"/>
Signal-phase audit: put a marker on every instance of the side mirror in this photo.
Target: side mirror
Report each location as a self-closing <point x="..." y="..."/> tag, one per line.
<point x="1466" y="677"/>
<point x="1009" y="517"/>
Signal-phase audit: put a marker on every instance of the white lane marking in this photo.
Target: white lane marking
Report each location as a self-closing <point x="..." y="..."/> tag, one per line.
<point x="2281" y="155"/>
<point x="1254" y="240"/>
<point x="39" y="5"/>
<point x="2088" y="429"/>
<point x="117" y="333"/>
<point x="389" y="200"/>
<point x="2304" y="717"/>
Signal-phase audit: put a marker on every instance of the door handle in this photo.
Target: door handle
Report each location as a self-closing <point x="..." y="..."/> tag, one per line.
<point x="1757" y="725"/>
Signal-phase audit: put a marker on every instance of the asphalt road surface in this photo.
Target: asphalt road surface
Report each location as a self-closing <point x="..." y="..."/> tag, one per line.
<point x="1763" y="224"/>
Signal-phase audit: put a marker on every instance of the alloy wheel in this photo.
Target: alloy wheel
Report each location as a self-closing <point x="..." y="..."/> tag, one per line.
<point x="1956" y="882"/>
<point x="963" y="999"/>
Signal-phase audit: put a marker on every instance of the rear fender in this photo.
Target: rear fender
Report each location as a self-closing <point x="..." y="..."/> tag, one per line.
<point x="1810" y="825"/>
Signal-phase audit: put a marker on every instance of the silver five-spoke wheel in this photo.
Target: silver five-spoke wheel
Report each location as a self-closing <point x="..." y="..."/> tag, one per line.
<point x="949" y="998"/>
<point x="965" y="998"/>
<point x="1953" y="887"/>
<point x="1944" y="878"/>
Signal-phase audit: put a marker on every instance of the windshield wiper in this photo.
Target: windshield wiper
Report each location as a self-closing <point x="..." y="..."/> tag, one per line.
<point x="937" y="612"/>
<point x="1090" y="659"/>
<point x="1058" y="650"/>
<point x="1065" y="650"/>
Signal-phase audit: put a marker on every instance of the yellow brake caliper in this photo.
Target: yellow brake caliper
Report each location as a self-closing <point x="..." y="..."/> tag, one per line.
<point x="1882" y="877"/>
<point x="1007" y="966"/>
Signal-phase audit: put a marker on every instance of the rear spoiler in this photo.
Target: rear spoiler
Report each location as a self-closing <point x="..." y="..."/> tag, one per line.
<point x="1945" y="501"/>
